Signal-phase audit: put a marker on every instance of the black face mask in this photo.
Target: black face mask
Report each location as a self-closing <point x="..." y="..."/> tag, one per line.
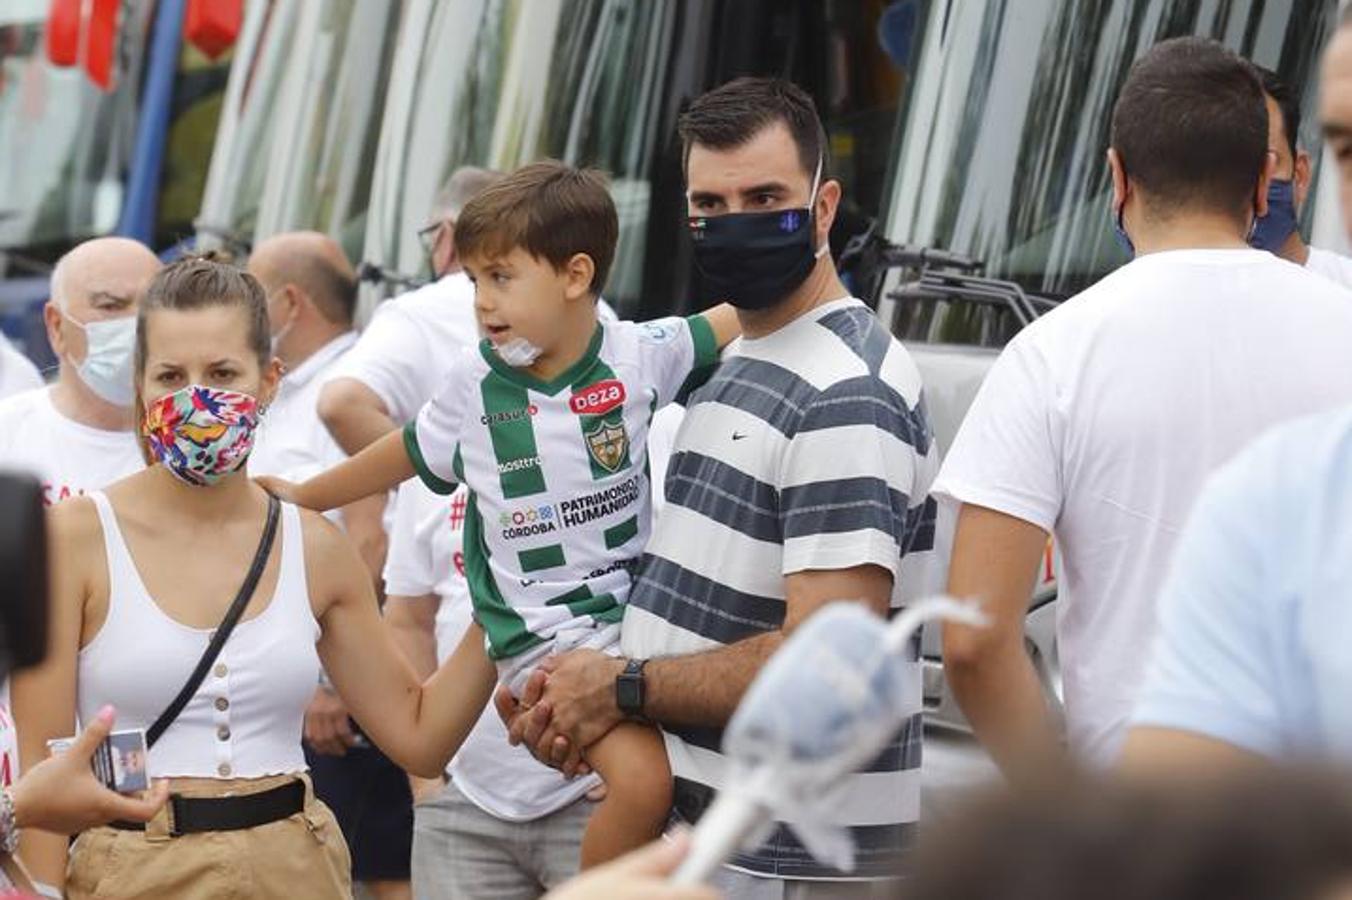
<point x="755" y="260"/>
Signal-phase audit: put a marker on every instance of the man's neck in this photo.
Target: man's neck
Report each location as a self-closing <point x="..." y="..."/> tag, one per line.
<point x="1190" y="233"/>
<point x="822" y="286"/>
<point x="74" y="400"/>
<point x="1295" y="249"/>
<point x="309" y="341"/>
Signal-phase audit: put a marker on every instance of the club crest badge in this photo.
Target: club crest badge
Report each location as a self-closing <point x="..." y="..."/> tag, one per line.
<point x="608" y="444"/>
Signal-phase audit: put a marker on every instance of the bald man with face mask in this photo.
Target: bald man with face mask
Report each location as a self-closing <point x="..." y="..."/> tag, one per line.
<point x="79" y="433"/>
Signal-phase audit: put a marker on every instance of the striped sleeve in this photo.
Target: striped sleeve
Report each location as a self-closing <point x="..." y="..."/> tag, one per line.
<point x="676" y="352"/>
<point x="850" y="477"/>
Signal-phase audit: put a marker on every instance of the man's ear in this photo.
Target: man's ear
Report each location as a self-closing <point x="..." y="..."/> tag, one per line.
<point x="1301" y="175"/>
<point x="1118" y="173"/>
<point x="51" y="318"/>
<point x="828" y="202"/>
<point x="295" y="301"/>
<point x="1260" y="196"/>
<point x="579" y="272"/>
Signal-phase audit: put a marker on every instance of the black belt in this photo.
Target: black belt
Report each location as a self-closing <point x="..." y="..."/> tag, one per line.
<point x="191" y="815"/>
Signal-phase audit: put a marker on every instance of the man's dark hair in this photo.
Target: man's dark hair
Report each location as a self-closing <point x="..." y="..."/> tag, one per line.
<point x="729" y="116"/>
<point x="549" y="209"/>
<point x="1287" y="103"/>
<point x="1191" y="127"/>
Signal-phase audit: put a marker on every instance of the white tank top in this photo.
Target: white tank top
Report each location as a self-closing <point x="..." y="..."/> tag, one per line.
<point x="246" y="719"/>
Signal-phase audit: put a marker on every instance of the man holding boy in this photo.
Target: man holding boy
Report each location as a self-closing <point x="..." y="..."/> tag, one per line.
<point x="800" y="477"/>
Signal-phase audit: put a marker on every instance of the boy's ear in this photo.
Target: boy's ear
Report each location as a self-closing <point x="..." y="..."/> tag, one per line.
<point x="579" y="272"/>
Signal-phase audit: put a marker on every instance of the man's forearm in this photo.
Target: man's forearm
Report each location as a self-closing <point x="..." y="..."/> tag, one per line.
<point x="354" y="414"/>
<point x="364" y="523"/>
<point x="1002" y="698"/>
<point x="703" y="689"/>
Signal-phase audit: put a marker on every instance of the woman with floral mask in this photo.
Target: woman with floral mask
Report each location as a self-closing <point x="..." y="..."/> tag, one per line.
<point x="146" y="573"/>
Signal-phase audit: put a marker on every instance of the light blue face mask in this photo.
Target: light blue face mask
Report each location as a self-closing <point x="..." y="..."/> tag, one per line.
<point x="107" y="366"/>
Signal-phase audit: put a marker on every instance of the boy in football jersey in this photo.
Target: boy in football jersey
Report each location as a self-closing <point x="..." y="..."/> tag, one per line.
<point x="546" y="421"/>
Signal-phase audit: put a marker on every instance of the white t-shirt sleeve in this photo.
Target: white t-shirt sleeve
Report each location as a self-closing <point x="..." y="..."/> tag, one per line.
<point x="1212" y="668"/>
<point x="386" y="358"/>
<point x="409" y="571"/>
<point x="672" y="350"/>
<point x="1006" y="455"/>
<point x="433" y="438"/>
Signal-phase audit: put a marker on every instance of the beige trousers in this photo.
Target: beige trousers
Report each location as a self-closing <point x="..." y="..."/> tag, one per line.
<point x="302" y="856"/>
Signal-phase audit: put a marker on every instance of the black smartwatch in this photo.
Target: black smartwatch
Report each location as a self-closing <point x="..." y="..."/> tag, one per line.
<point x="629" y="689"/>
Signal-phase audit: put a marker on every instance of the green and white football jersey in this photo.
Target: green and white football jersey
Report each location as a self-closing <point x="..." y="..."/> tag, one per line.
<point x="559" y="510"/>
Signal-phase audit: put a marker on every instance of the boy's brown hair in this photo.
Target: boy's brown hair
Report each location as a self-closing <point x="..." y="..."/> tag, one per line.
<point x="549" y="209"/>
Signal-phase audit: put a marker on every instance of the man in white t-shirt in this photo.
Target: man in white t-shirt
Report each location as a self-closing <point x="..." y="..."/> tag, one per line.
<point x="1100" y="421"/>
<point x="77" y="435"/>
<point x="311" y="290"/>
<point x="1279" y="231"/>
<point x="17" y="372"/>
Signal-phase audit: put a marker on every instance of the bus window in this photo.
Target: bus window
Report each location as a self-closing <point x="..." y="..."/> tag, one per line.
<point x="1004" y="161"/>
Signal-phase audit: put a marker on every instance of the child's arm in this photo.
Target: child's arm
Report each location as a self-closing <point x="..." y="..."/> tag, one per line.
<point x="380" y="467"/>
<point x="724" y="322"/>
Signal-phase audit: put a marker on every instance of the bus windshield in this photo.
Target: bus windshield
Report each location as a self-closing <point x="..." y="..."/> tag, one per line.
<point x="1003" y="157"/>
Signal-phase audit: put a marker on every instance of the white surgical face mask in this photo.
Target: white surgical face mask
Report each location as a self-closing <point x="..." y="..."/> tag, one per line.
<point x="518" y="352"/>
<point x="107" y="368"/>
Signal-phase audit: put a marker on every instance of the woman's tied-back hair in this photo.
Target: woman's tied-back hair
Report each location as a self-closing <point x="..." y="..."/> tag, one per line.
<point x="199" y="282"/>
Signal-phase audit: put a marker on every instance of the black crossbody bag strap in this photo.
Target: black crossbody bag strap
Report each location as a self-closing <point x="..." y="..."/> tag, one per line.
<point x="222" y="634"/>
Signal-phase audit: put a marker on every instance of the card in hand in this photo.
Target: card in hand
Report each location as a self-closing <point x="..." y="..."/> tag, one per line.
<point x="119" y="762"/>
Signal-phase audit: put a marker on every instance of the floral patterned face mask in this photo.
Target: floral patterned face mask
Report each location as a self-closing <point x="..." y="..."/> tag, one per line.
<point x="202" y="434"/>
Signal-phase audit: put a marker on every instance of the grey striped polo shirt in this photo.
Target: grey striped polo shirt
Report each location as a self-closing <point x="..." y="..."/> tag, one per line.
<point x="807" y="449"/>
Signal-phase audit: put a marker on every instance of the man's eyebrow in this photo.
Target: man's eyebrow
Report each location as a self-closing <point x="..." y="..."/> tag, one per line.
<point x="769" y="187"/>
<point x="1337" y="130"/>
<point x="116" y="299"/>
<point x="698" y="196"/>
